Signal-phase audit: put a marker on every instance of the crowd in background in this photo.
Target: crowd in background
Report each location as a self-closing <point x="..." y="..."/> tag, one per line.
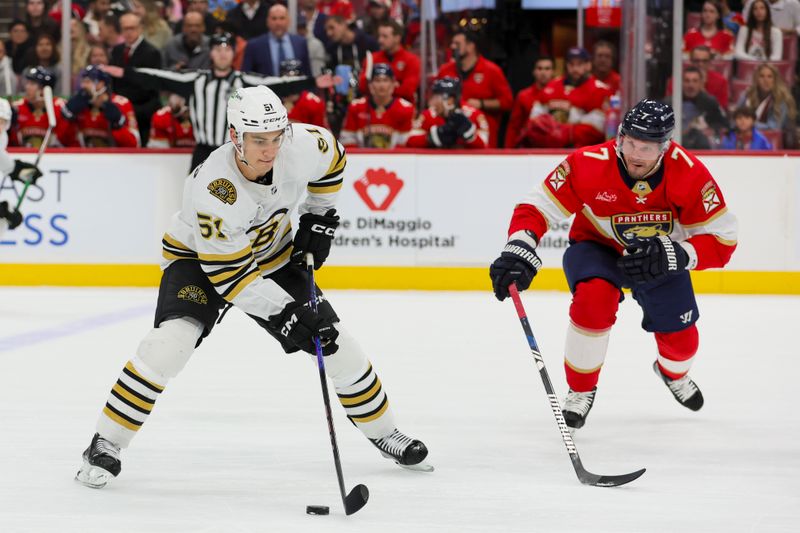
<point x="363" y="55"/>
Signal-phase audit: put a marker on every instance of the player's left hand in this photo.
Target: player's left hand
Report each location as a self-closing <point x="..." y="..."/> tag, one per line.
<point x="654" y="259"/>
<point x="113" y="114"/>
<point x="314" y="236"/>
<point x="462" y="125"/>
<point x="25" y="172"/>
<point x="14" y="218"/>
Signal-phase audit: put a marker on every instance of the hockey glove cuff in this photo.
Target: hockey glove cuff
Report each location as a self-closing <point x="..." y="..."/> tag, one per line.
<point x="25" y="172"/>
<point x="654" y="259"/>
<point x="300" y="324"/>
<point x="518" y="263"/>
<point x="314" y="236"/>
<point x="14" y="218"/>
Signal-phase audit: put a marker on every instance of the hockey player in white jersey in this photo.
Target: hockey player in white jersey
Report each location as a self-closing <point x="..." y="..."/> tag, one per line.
<point x="232" y="243"/>
<point x="18" y="170"/>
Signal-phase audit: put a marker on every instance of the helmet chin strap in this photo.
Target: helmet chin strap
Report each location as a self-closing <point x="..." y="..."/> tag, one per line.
<point x="239" y="146"/>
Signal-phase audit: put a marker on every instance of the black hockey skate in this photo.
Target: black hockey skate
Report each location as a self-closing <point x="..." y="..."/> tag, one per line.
<point x="577" y="406"/>
<point x="101" y="463"/>
<point x="684" y="389"/>
<point x="407" y="452"/>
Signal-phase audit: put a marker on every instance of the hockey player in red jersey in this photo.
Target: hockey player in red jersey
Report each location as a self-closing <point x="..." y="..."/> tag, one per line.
<point x="303" y="106"/>
<point x="570" y="109"/>
<point x="404" y="63"/>
<point x="445" y="124"/>
<point x="525" y="100"/>
<point x="31" y="124"/>
<point x="646" y="213"/>
<point x="103" y="119"/>
<point x="171" y="126"/>
<point x="379" y="120"/>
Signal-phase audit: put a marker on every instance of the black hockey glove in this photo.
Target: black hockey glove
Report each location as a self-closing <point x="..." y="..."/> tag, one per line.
<point x="654" y="259"/>
<point x="25" y="172"/>
<point x="462" y="125"/>
<point x="77" y="103"/>
<point x="300" y="324"/>
<point x="314" y="236"/>
<point x="443" y="136"/>
<point x="113" y="114"/>
<point x="14" y="217"/>
<point x="518" y="263"/>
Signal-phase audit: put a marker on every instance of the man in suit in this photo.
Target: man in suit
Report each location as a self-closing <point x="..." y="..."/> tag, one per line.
<point x="249" y="18"/>
<point x="264" y="54"/>
<point x="136" y="52"/>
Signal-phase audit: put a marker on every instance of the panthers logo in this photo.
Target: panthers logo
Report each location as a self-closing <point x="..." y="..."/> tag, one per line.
<point x="194" y="294"/>
<point x="223" y="190"/>
<point x="633" y="228"/>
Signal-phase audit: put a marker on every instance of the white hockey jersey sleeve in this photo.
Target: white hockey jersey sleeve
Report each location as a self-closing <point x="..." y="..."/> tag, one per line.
<point x="326" y="181"/>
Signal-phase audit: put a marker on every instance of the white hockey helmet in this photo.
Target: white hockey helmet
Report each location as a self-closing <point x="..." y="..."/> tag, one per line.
<point x="5" y="112"/>
<point x="256" y="110"/>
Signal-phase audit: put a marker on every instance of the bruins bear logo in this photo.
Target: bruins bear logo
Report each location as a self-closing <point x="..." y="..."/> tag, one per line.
<point x="194" y="294"/>
<point x="223" y="190"/>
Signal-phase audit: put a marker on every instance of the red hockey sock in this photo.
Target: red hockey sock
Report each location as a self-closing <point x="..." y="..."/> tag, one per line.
<point x="676" y="351"/>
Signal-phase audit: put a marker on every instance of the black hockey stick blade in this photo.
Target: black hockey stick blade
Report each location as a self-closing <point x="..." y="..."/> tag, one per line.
<point x="587" y="478"/>
<point x="356" y="499"/>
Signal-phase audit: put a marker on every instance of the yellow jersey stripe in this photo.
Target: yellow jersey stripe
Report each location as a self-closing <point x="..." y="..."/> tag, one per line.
<point x="244" y="282"/>
<point x="235" y="256"/>
<point x="324" y="188"/>
<point x="176" y="243"/>
<point x="223" y="277"/>
<point x="273" y="262"/>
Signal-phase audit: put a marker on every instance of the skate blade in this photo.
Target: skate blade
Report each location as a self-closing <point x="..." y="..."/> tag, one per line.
<point x="93" y="477"/>
<point x="419" y="467"/>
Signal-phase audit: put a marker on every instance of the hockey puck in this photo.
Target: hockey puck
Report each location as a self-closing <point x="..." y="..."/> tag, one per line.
<point x="317" y="509"/>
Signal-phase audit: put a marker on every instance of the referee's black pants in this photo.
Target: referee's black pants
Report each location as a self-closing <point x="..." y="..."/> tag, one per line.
<point x="200" y="153"/>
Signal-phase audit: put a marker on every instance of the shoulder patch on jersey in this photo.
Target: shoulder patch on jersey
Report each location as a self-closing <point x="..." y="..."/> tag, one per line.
<point x="194" y="294"/>
<point x="559" y="176"/>
<point x="710" y="197"/>
<point x="223" y="190"/>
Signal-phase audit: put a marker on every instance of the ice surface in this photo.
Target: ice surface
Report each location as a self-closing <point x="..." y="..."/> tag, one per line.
<point x="238" y="442"/>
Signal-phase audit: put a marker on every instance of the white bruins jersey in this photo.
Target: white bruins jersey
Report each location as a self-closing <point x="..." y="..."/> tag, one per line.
<point x="240" y="231"/>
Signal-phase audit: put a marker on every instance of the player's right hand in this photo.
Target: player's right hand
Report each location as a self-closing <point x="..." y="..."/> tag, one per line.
<point x="300" y="324"/>
<point x="25" y="172"/>
<point x="462" y="125"/>
<point x="443" y="136"/>
<point x="518" y="263"/>
<point x="77" y="103"/>
<point x="14" y="217"/>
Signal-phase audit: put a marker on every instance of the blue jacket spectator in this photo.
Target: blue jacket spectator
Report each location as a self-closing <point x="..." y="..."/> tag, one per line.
<point x="745" y="136"/>
<point x="264" y="54"/>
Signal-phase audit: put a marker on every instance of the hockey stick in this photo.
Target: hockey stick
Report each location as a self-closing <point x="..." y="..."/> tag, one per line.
<point x="358" y="497"/>
<point x="584" y="476"/>
<point x="51" y="123"/>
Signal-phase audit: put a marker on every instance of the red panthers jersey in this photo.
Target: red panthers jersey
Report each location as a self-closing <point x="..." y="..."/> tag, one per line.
<point x="167" y="131"/>
<point x="95" y="131"/>
<point x="680" y="200"/>
<point x="365" y="126"/>
<point x="309" y="109"/>
<point x="429" y="119"/>
<point x="31" y="125"/>
<point x="406" y="68"/>
<point x="521" y="113"/>
<point x="721" y="43"/>
<point x="586" y="107"/>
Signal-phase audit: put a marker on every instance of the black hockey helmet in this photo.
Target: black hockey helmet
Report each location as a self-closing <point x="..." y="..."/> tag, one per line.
<point x="42" y="76"/>
<point x="94" y="73"/>
<point x="382" y="69"/>
<point x="649" y="121"/>
<point x="222" y="39"/>
<point x="448" y="86"/>
<point x="291" y="67"/>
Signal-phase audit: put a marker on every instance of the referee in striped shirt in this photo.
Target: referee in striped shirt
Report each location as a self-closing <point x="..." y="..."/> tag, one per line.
<point x="207" y="91"/>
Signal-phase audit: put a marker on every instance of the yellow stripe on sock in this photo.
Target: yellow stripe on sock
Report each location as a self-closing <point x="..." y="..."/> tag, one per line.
<point x="148" y="406"/>
<point x="119" y="420"/>
<point x="377" y="415"/>
<point x="362" y="397"/>
<point x="130" y="367"/>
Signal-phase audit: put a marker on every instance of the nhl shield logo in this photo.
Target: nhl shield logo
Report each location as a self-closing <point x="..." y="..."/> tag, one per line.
<point x="631" y="229"/>
<point x="194" y="294"/>
<point x="223" y="190"/>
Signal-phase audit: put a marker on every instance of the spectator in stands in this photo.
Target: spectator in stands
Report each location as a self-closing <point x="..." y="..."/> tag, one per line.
<point x="745" y="136"/>
<point x="80" y="50"/>
<point x="248" y="19"/>
<point x="543" y="72"/>
<point x="603" y="65"/>
<point x="201" y="6"/>
<point x="45" y="53"/>
<point x="772" y="102"/>
<point x="380" y="120"/>
<point x="188" y="49"/>
<point x="172" y="125"/>
<point x="484" y="86"/>
<point x="98" y="55"/>
<point x="315" y="20"/>
<point x="97" y="10"/>
<point x="715" y="83"/>
<point x="303" y="106"/>
<point x="571" y="109"/>
<point x="711" y="33"/>
<point x="317" y="57"/>
<point x="103" y="119"/>
<point x="759" y="40"/>
<point x="446" y="124"/>
<point x="8" y="78"/>
<point x="731" y="19"/>
<point x="405" y="65"/>
<point x="702" y="115"/>
<point x="30" y="122"/>
<point x="785" y="14"/>
<point x="18" y="43"/>
<point x="377" y="13"/>
<point x="264" y="54"/>
<point x="110" y="31"/>
<point x="347" y="45"/>
<point x="39" y="21"/>
<point x="338" y="8"/>
<point x="156" y="30"/>
<point x="135" y="51"/>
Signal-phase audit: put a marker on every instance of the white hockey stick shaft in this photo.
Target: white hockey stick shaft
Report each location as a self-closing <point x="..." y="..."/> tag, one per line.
<point x="47" y="93"/>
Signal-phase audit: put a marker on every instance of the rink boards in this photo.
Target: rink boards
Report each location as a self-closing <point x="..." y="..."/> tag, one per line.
<point x="410" y="220"/>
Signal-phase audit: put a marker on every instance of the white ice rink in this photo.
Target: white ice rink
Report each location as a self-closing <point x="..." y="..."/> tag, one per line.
<point x="238" y="442"/>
